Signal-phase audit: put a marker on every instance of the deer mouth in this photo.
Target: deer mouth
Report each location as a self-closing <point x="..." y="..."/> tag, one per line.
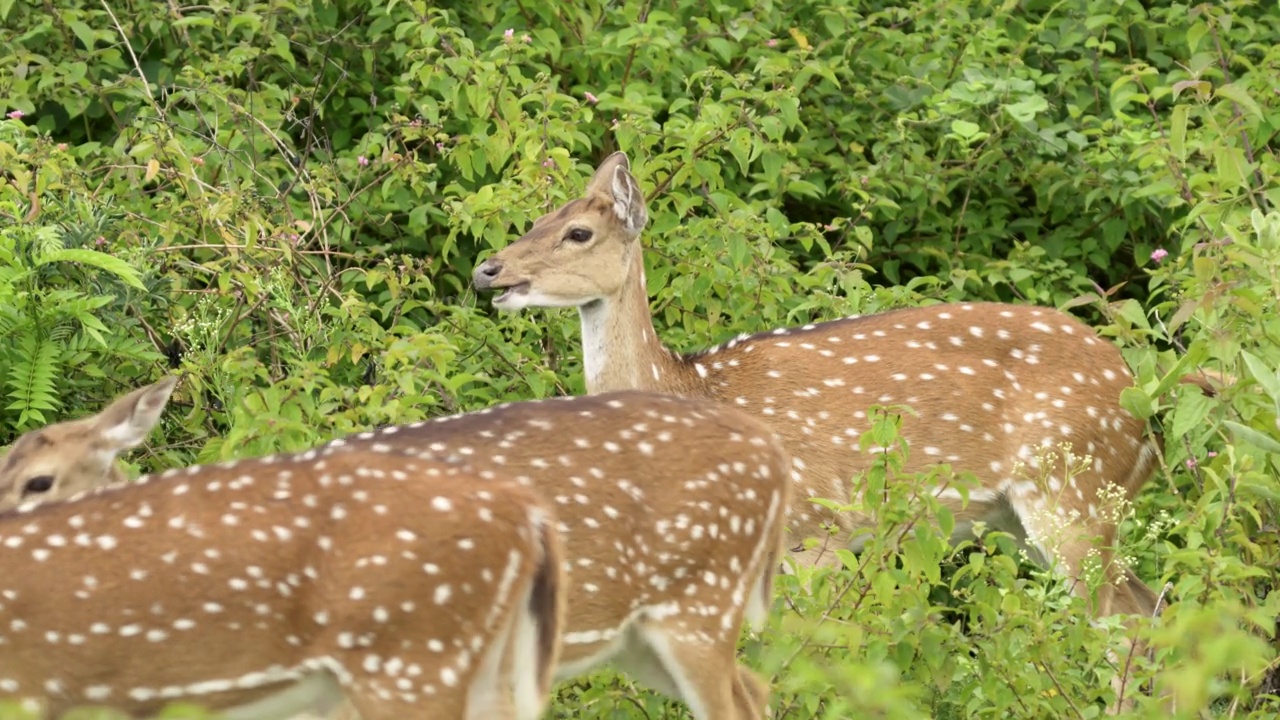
<point x="510" y="291"/>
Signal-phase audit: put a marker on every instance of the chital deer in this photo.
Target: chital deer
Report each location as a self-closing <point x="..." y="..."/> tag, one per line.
<point x="36" y="469"/>
<point x="673" y="513"/>
<point x="990" y="385"/>
<point x="270" y="586"/>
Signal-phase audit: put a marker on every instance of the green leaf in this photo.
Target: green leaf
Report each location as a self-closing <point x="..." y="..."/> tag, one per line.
<point x="84" y="33"/>
<point x="1195" y="34"/>
<point x="1190" y="413"/>
<point x="740" y="147"/>
<point x="1253" y="437"/>
<point x="1137" y="402"/>
<point x="1178" y="130"/>
<point x="102" y="261"/>
<point x="1240" y="96"/>
<point x="1230" y="164"/>
<point x="1266" y="377"/>
<point x="1025" y="110"/>
<point x="281" y="49"/>
<point x="1194" y="355"/>
<point x="964" y="128"/>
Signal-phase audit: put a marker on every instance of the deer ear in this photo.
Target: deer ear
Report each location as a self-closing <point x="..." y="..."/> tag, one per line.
<point x="613" y="182"/>
<point x="126" y="422"/>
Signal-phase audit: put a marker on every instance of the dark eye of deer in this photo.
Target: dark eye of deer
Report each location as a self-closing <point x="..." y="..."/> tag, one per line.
<point x="38" y="484"/>
<point x="579" y="235"/>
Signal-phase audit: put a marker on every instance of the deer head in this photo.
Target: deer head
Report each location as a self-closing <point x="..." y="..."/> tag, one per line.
<point x="66" y="458"/>
<point x="579" y="254"/>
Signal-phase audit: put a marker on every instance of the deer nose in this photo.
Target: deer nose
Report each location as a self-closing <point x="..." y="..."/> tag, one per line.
<point x="485" y="273"/>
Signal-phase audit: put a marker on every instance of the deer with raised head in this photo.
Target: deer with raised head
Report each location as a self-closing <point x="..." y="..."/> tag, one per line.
<point x="263" y="588"/>
<point x="673" y="514"/>
<point x="990" y="385"/>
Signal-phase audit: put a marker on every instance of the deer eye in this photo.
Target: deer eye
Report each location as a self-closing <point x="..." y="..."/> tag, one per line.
<point x="578" y="235"/>
<point x="38" y="484"/>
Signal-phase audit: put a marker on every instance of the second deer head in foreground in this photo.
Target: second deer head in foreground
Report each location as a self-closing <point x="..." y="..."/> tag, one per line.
<point x="265" y="587"/>
<point x="77" y="455"/>
<point x="672" y="509"/>
<point x="992" y="386"/>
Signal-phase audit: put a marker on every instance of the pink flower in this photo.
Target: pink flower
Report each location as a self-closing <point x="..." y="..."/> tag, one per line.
<point x="62" y="146"/>
<point x="1212" y="454"/>
<point x="508" y="34"/>
<point x="16" y="115"/>
<point x="548" y="163"/>
<point x="771" y="42"/>
<point x="440" y="147"/>
<point x="525" y="38"/>
<point x="591" y="98"/>
<point x="1159" y="254"/>
<point x="363" y="161"/>
<point x="1191" y="463"/>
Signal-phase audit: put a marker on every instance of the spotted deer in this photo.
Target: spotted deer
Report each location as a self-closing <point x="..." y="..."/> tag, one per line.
<point x="990" y="386"/>
<point x="673" y="514"/>
<point x="265" y="587"/>
<point x="35" y="468"/>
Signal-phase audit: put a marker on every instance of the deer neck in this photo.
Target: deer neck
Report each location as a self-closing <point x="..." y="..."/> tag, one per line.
<point x="621" y="351"/>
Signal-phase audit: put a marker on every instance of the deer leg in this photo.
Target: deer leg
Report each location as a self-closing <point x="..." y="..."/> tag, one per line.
<point x="751" y="694"/>
<point x="640" y="663"/>
<point x="701" y="661"/>
<point x="1063" y="528"/>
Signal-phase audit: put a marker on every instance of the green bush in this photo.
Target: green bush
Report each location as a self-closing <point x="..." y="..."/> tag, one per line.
<point x="283" y="202"/>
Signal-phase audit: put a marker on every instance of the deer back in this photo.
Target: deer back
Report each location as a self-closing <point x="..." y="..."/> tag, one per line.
<point x="400" y="577"/>
<point x="662" y="501"/>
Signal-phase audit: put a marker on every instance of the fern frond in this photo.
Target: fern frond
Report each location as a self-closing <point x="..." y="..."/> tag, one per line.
<point x="45" y="241"/>
<point x="59" y="332"/>
<point x="32" y="374"/>
<point x="10" y="320"/>
<point x="84" y="256"/>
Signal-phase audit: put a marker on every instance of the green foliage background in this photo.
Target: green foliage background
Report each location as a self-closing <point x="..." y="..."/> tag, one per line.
<point x="283" y="202"/>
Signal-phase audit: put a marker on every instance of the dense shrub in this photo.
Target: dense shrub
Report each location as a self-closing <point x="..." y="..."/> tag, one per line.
<point x="283" y="202"/>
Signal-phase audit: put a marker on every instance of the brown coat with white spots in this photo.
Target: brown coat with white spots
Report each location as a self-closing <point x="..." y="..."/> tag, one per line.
<point x="412" y="587"/>
<point x="673" y="514"/>
<point x="674" y="510"/>
<point x="993" y="388"/>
